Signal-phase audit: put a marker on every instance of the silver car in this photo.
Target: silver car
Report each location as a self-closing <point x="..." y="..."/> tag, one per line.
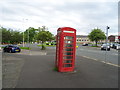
<point x="118" y="47"/>
<point x="105" y="46"/>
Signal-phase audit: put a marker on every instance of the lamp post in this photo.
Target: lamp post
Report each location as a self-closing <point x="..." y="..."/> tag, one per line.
<point x="23" y="38"/>
<point x="23" y="31"/>
<point x="28" y="34"/>
<point x="107" y="35"/>
<point x="106" y="41"/>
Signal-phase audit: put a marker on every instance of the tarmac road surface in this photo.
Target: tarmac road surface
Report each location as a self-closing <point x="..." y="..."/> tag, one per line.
<point x="36" y="71"/>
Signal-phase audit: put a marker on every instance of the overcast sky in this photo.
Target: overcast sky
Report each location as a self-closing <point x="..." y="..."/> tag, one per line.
<point x="83" y="15"/>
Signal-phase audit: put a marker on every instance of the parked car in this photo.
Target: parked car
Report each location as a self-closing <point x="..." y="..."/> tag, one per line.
<point x="11" y="48"/>
<point x="111" y="45"/>
<point x="115" y="45"/>
<point x="0" y="48"/>
<point x="85" y="44"/>
<point x="118" y="47"/>
<point x="51" y="43"/>
<point x="105" y="46"/>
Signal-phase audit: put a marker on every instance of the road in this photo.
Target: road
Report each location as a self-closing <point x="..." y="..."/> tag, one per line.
<point x="96" y="54"/>
<point x="92" y="53"/>
<point x="0" y="70"/>
<point x="35" y="70"/>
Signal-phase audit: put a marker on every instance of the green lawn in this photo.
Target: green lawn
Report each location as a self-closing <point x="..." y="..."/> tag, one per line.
<point x="27" y="48"/>
<point x="95" y="46"/>
<point x="47" y="45"/>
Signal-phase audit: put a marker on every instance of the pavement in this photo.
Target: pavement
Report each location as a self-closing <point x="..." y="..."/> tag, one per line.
<point x="37" y="71"/>
<point x="11" y="68"/>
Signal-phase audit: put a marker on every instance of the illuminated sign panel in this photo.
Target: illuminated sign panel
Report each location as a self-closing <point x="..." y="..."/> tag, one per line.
<point x="68" y="31"/>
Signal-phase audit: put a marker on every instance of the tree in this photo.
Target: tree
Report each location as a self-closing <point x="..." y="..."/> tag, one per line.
<point x="96" y="35"/>
<point x="6" y="35"/>
<point x="30" y="34"/>
<point x="10" y="36"/>
<point x="44" y="36"/>
<point x="16" y="37"/>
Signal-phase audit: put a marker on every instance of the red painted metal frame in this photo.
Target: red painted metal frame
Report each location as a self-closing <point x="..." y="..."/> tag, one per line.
<point x="59" y="63"/>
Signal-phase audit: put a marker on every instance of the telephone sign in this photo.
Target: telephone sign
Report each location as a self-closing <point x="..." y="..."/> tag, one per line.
<point x="65" y="49"/>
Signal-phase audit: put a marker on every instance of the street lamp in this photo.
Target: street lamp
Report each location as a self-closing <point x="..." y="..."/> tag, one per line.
<point x="107" y="34"/>
<point x="23" y="31"/>
<point x="106" y="41"/>
<point x="28" y="39"/>
<point x="23" y="38"/>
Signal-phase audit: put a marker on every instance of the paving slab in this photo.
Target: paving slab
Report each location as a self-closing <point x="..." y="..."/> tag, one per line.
<point x="11" y="68"/>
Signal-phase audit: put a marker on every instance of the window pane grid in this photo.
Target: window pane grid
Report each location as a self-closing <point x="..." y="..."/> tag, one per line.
<point x="67" y="56"/>
<point x="67" y="61"/>
<point x="68" y="37"/>
<point x="68" y="53"/>
<point x="67" y="65"/>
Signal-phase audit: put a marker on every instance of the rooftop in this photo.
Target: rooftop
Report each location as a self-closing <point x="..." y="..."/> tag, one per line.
<point x="83" y="36"/>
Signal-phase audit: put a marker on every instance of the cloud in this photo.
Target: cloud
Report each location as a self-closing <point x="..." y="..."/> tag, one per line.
<point x="81" y="15"/>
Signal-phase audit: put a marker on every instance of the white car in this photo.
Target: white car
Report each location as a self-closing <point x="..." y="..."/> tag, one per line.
<point x="0" y="47"/>
<point x="118" y="47"/>
<point x="105" y="46"/>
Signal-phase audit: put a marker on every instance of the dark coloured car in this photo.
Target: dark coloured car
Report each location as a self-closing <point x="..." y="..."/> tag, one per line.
<point x="11" y="48"/>
<point x="105" y="46"/>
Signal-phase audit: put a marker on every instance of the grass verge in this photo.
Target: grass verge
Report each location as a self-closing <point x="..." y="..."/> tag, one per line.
<point x="95" y="46"/>
<point x="47" y="45"/>
<point x="27" y="48"/>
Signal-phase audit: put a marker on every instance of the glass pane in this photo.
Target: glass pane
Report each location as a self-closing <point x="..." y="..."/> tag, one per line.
<point x="68" y="53"/>
<point x="67" y="57"/>
<point x="68" y="37"/>
<point x="68" y="41"/>
<point x="68" y="65"/>
<point x="67" y="61"/>
<point x="68" y="45"/>
<point x="68" y="49"/>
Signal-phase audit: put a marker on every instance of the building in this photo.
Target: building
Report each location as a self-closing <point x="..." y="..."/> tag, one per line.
<point x="82" y="39"/>
<point x="111" y="38"/>
<point x="114" y="38"/>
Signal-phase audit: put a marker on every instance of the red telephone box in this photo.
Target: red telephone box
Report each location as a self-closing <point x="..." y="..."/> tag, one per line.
<point x="65" y="49"/>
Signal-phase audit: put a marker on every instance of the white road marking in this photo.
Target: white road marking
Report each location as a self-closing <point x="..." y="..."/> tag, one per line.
<point x="102" y="61"/>
<point x="113" y="64"/>
<point x="86" y="57"/>
<point x="90" y="58"/>
<point x="95" y="59"/>
<point x="116" y="54"/>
